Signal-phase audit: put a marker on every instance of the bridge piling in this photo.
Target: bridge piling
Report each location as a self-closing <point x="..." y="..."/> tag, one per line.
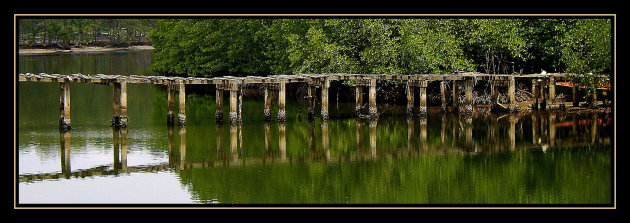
<point x="443" y="96"/>
<point x="181" y="117"/>
<point x="170" y="103"/>
<point x="325" y="87"/>
<point x="218" y="114"/>
<point x="267" y="110"/>
<point x="282" y="114"/>
<point x="373" y="110"/>
<point x="410" y="99"/>
<point x="422" y="110"/>
<point x="64" y="111"/>
<point x="358" y="100"/>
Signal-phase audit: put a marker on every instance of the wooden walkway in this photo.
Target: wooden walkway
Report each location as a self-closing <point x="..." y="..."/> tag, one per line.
<point x="543" y="91"/>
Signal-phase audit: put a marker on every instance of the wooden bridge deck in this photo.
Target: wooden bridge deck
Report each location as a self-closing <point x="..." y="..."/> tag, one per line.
<point x="543" y="91"/>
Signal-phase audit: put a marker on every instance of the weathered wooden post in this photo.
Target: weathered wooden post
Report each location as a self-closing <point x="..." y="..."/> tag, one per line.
<point x="123" y="105"/>
<point x="325" y="87"/>
<point x="181" y="117"/>
<point x="218" y="114"/>
<point x="594" y="95"/>
<point x="410" y="98"/>
<point x="443" y="96"/>
<point x="494" y="94"/>
<point x="468" y="107"/>
<point x="267" y="111"/>
<point x="64" y="111"/>
<point x="120" y="105"/>
<point x="282" y="114"/>
<point x="311" y="101"/>
<point x="422" y="88"/>
<point x="512" y="94"/>
<point x="456" y="84"/>
<point x="551" y="103"/>
<point x="373" y="112"/>
<point x="234" y="117"/>
<point x="170" y="104"/>
<point x="359" y="100"/>
<point x="534" y="94"/>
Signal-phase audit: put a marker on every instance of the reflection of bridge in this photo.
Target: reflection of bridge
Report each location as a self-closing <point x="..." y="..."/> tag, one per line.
<point x="543" y="91"/>
<point x="460" y="131"/>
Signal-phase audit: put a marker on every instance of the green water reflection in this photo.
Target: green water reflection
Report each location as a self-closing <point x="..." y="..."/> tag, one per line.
<point x="544" y="158"/>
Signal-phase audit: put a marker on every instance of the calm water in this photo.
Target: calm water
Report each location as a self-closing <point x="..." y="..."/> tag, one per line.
<point x="543" y="158"/>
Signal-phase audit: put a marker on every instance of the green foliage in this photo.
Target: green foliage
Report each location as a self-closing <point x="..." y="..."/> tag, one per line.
<point x="81" y="31"/>
<point x="261" y="46"/>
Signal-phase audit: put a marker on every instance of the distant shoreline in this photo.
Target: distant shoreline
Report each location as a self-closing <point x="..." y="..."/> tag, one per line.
<point x="83" y="49"/>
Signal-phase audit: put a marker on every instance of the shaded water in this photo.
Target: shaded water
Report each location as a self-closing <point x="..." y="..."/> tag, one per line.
<point x="545" y="158"/>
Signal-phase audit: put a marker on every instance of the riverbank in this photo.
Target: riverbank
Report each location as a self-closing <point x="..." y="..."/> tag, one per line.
<point x="81" y="49"/>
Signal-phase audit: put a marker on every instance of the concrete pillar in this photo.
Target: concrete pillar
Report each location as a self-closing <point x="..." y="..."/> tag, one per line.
<point x="359" y="100"/>
<point x="373" y="112"/>
<point x="170" y="104"/>
<point x="64" y="111"/>
<point x="535" y="94"/>
<point x="456" y="84"/>
<point x="410" y="99"/>
<point x="422" y="110"/>
<point x="218" y="114"/>
<point x="324" y="112"/>
<point x="282" y="114"/>
<point x="468" y="106"/>
<point x="512" y="94"/>
<point x="311" y="101"/>
<point x="122" y="122"/>
<point x="551" y="103"/>
<point x="181" y="117"/>
<point x="267" y="111"/>
<point x="443" y="96"/>
<point x="234" y="117"/>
